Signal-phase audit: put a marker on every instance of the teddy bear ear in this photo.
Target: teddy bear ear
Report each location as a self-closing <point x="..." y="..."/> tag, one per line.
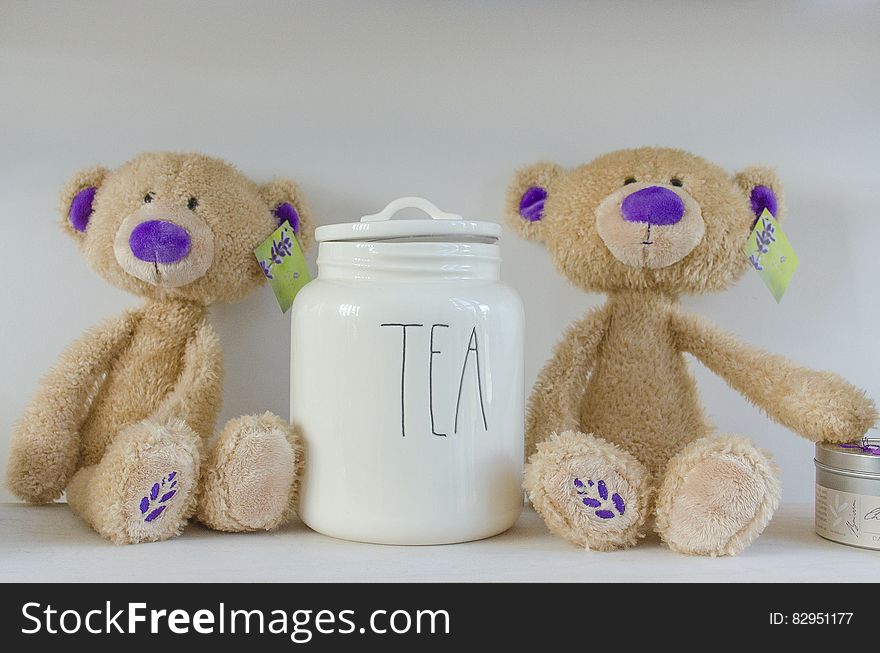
<point x="78" y="198"/>
<point x="526" y="197"/>
<point x="763" y="189"/>
<point x="286" y="203"/>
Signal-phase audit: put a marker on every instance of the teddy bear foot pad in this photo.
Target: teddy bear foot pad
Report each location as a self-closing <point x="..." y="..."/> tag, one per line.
<point x="588" y="491"/>
<point x="143" y="490"/>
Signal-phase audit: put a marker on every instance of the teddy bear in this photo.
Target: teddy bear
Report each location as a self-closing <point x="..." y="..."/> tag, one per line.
<point x="122" y="420"/>
<point x="616" y="436"/>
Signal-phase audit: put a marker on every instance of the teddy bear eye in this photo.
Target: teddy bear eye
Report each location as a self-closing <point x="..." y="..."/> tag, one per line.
<point x="148" y="197"/>
<point x="675" y="181"/>
<point x="629" y="180"/>
<point x="192" y="204"/>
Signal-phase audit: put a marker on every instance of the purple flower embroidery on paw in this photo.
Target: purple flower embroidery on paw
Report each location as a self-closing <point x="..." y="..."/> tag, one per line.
<point x="602" y="511"/>
<point x="153" y="505"/>
<point x="153" y="514"/>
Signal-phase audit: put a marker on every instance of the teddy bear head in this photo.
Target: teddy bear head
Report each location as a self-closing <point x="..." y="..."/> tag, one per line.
<point x="183" y="226"/>
<point x="644" y="219"/>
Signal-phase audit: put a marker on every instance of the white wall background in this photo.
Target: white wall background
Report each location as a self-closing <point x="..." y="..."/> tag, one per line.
<point x="362" y="102"/>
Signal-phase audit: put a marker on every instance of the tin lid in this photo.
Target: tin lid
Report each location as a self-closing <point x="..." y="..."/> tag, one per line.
<point x="441" y="226"/>
<point x="860" y="456"/>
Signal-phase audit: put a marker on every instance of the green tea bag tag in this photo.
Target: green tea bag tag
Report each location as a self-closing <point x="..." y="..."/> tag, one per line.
<point x="284" y="265"/>
<point x="771" y="254"/>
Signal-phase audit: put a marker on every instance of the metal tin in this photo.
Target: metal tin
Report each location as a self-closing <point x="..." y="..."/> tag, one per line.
<point x="848" y="492"/>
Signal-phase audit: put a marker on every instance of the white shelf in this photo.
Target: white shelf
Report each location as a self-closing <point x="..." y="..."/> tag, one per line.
<point x="49" y="543"/>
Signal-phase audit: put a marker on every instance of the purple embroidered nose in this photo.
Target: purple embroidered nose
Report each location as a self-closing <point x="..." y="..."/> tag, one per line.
<point x="655" y="205"/>
<point x="159" y="241"/>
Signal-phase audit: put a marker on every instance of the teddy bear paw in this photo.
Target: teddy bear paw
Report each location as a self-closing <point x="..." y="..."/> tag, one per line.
<point x="258" y="495"/>
<point x="158" y="493"/>
<point x="717" y="497"/>
<point x="251" y="475"/>
<point x="589" y="491"/>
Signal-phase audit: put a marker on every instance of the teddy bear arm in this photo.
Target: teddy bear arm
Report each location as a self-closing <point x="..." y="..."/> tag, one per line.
<point x="820" y="406"/>
<point x="198" y="392"/>
<point x="44" y="452"/>
<point x="556" y="396"/>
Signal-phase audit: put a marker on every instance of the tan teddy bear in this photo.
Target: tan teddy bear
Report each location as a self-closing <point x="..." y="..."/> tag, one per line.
<point x="120" y="422"/>
<point x="615" y="429"/>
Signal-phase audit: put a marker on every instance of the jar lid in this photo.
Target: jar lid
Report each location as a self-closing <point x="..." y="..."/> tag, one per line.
<point x="441" y="226"/>
<point x="861" y="456"/>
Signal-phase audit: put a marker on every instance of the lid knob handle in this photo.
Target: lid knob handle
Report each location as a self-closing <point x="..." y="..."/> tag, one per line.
<point x="410" y="203"/>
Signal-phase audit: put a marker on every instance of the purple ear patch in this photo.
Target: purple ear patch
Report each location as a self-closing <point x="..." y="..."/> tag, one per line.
<point x="81" y="208"/>
<point x="531" y="204"/>
<point x="763" y="197"/>
<point x="286" y="213"/>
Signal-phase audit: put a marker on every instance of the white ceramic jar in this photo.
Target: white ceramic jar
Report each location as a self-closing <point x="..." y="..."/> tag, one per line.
<point x="407" y="381"/>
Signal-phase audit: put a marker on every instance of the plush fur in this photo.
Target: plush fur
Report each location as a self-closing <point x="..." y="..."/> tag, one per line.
<point x="617" y="402"/>
<point x="249" y="483"/>
<point x="122" y="420"/>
